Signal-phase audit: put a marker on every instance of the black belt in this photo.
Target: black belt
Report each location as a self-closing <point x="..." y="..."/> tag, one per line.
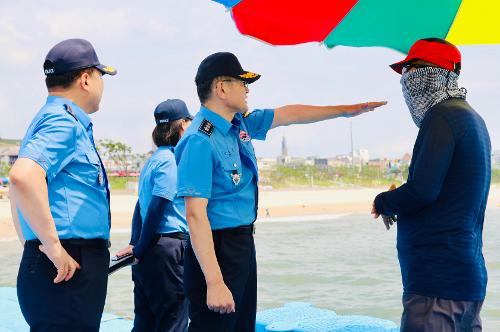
<point x="246" y="229"/>
<point x="87" y="243"/>
<point x="175" y="235"/>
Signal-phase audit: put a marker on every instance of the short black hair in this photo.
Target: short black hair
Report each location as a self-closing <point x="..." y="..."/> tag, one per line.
<point x="204" y="90"/>
<point x="66" y="79"/>
<point x="168" y="134"/>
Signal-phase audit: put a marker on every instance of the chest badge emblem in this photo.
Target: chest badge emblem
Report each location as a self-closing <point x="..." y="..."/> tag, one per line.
<point x="236" y="177"/>
<point x="244" y="137"/>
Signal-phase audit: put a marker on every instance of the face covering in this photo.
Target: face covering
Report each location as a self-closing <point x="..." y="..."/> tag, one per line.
<point x="428" y="86"/>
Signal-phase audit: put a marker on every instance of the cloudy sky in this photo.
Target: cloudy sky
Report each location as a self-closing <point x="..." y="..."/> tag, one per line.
<point x="157" y="48"/>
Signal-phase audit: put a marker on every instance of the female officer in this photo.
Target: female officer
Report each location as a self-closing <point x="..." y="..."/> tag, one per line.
<point x="159" y="230"/>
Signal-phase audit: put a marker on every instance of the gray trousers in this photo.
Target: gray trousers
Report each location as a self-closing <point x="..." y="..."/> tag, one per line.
<point x="431" y="314"/>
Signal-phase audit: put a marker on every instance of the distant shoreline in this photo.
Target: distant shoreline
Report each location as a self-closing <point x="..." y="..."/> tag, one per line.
<point x="274" y="205"/>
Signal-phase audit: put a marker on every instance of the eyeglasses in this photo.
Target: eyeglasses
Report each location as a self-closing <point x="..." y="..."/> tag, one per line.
<point x="409" y="66"/>
<point x="245" y="84"/>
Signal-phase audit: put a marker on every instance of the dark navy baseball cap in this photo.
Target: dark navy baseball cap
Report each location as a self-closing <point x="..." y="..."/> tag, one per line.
<point x="223" y="64"/>
<point x="170" y="110"/>
<point x="73" y="54"/>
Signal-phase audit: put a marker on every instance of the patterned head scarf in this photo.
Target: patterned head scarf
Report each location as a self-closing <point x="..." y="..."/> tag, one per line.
<point x="428" y="86"/>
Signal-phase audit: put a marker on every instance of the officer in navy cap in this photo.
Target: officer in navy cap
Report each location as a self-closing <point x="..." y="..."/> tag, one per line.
<point x="159" y="230"/>
<point x="217" y="176"/>
<point x="60" y="198"/>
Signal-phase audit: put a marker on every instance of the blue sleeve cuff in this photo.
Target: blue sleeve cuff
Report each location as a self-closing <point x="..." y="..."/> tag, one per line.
<point x="266" y="124"/>
<point x="190" y="192"/>
<point x="164" y="194"/>
<point x="37" y="157"/>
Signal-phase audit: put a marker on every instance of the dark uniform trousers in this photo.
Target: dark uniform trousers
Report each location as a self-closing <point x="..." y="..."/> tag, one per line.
<point x="159" y="301"/>
<point x="75" y="305"/>
<point x="235" y="251"/>
<point x="430" y="314"/>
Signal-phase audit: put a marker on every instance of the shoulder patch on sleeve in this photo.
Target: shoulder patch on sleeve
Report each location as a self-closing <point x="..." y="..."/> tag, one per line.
<point x="206" y="127"/>
<point x="70" y="111"/>
<point x="246" y="114"/>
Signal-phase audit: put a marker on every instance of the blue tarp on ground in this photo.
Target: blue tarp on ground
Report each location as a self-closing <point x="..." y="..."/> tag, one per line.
<point x="292" y="317"/>
<point x="302" y="317"/>
<point x="11" y="318"/>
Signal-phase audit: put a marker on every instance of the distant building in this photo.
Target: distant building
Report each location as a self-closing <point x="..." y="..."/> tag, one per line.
<point x="8" y="154"/>
<point x="321" y="163"/>
<point x="310" y="161"/>
<point x="283" y="159"/>
<point x="295" y="161"/>
<point x="356" y="158"/>
<point x="339" y="162"/>
<point x="266" y="163"/>
<point x="382" y="163"/>
<point x="361" y="156"/>
<point x="284" y="148"/>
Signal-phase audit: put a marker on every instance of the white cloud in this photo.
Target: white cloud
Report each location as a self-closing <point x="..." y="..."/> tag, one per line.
<point x="13" y="41"/>
<point x="157" y="46"/>
<point x="61" y="23"/>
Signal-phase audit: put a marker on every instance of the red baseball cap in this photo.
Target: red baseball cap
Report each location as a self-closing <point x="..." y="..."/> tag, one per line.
<point x="434" y="50"/>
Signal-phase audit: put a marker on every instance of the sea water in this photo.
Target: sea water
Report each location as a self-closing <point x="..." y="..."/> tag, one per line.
<point x="346" y="263"/>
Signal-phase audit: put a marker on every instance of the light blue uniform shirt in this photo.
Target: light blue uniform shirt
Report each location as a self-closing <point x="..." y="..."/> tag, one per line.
<point x="216" y="160"/>
<point x="159" y="178"/>
<point x="60" y="140"/>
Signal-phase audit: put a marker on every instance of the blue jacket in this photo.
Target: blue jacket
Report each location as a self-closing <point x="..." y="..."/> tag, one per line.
<point x="441" y="207"/>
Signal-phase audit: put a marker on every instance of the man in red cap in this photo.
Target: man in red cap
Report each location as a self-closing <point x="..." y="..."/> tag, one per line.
<point x="440" y="209"/>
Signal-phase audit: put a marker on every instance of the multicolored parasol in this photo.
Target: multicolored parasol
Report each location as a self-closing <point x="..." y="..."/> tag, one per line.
<point x="390" y="23"/>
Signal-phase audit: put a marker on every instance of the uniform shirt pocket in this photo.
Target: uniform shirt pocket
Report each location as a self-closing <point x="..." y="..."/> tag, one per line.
<point x="231" y="169"/>
<point x="90" y="168"/>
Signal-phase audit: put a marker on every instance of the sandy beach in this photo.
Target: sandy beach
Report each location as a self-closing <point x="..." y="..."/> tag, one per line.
<point x="273" y="204"/>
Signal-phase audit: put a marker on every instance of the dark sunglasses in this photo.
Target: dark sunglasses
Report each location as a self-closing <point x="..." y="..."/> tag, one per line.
<point x="409" y="66"/>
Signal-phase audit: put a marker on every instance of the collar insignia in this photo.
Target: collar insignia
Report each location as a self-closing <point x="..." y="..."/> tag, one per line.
<point x="70" y="111"/>
<point x="206" y="127"/>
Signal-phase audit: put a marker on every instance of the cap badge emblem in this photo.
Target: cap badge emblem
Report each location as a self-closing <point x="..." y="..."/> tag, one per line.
<point x="248" y="75"/>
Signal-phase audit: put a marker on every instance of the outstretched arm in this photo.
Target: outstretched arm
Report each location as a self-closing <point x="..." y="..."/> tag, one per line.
<point x="295" y="114"/>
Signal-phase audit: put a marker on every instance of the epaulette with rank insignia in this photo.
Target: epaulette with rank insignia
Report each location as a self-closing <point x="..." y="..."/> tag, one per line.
<point x="70" y="111"/>
<point x="206" y="127"/>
